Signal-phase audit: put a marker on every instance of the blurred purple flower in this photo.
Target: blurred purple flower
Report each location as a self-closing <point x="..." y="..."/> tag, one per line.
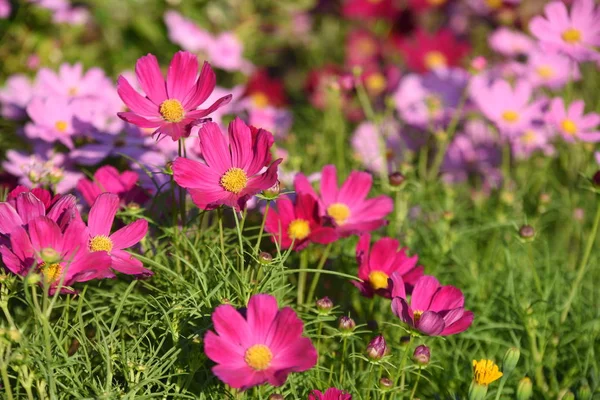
<point x="378" y="153"/>
<point x="185" y="33"/>
<point x="531" y="140"/>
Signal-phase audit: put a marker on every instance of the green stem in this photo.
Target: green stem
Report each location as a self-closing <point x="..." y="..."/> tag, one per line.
<point x="369" y="381"/>
<point x="302" y="276"/>
<point x="181" y="151"/>
<point x="412" y="394"/>
<point x="401" y="369"/>
<point x="343" y="360"/>
<point x="536" y="277"/>
<point x="581" y="272"/>
<point x="500" y="387"/>
<point x="240" y="240"/>
<point x="221" y="235"/>
<point x="262" y="227"/>
<point x="6" y="382"/>
<point x="315" y="280"/>
<point x="7" y="314"/>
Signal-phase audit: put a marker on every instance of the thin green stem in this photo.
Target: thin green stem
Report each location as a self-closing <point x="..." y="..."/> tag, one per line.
<point x="7" y="314"/>
<point x="499" y="391"/>
<point x="414" y="390"/>
<point x="240" y="239"/>
<point x="262" y="227"/>
<point x="582" y="266"/>
<point x="343" y="359"/>
<point x="315" y="280"/>
<point x="368" y="386"/>
<point x="6" y="381"/>
<point x="302" y="276"/>
<point x="221" y="235"/>
<point x="536" y="276"/>
<point x="181" y="152"/>
<point x="402" y="375"/>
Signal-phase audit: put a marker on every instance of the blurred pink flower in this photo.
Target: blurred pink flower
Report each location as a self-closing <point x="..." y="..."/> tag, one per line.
<point x="264" y="346"/>
<point x="531" y="140"/>
<point x="379" y="152"/>
<point x="510" y="43"/>
<point x="108" y="179"/>
<point x="72" y="82"/>
<point x="185" y="33"/>
<point x="52" y="120"/>
<point x="330" y="394"/>
<point x="5" y="8"/>
<point x="15" y="96"/>
<point x="571" y="122"/>
<point x="550" y="70"/>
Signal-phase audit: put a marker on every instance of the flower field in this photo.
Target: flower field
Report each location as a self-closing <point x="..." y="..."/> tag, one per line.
<point x="311" y="199"/>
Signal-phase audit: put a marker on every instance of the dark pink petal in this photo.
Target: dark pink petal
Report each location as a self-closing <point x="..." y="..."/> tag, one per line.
<point x="411" y="278"/>
<point x="298" y="356"/>
<point x="360" y="227"/>
<point x="302" y="185"/>
<point x="181" y="75"/>
<point x="307" y="208"/>
<point x="198" y="114"/>
<point x="459" y="326"/>
<point x="134" y="101"/>
<point x="214" y="147"/>
<point x="402" y="310"/>
<point x="9" y="219"/>
<point x="240" y="140"/>
<point x="21" y="245"/>
<point x="75" y="239"/>
<point x="193" y="174"/>
<point x="199" y="92"/>
<point x="365" y="288"/>
<point x="208" y="200"/>
<point x="29" y="207"/>
<point x="362" y="252"/>
<point x="447" y="298"/>
<point x="373" y="209"/>
<point x="231" y="326"/>
<point x="262" y="151"/>
<point x="89" y="191"/>
<point x="383" y="254"/>
<point x="90" y="266"/>
<point x="242" y="377"/>
<point x="102" y="214"/>
<point x="63" y="211"/>
<point x="323" y="235"/>
<point x="129" y="179"/>
<point x="355" y="189"/>
<point x="130" y="234"/>
<point x="125" y="263"/>
<point x="263" y="181"/>
<point x="135" y="119"/>
<point x="430" y="323"/>
<point x="329" y="186"/>
<point x="223" y="351"/>
<point x="262" y="310"/>
<point x="12" y="262"/>
<point x="423" y="292"/>
<point x="151" y="79"/>
<point x="404" y="264"/>
<point x="286" y="329"/>
<point x="44" y="233"/>
<point x="174" y="130"/>
<point x="397" y="286"/>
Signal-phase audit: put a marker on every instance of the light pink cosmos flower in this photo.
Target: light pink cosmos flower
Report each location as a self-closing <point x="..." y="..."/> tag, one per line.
<point x="227" y="52"/>
<point x="233" y="172"/>
<point x="72" y="82"/>
<point x="434" y="310"/>
<point x="510" y="43"/>
<point x="551" y="70"/>
<point x="53" y="119"/>
<point x="100" y="220"/>
<point x="576" y="33"/>
<point x="330" y="394"/>
<point x="62" y="258"/>
<point x="15" y="96"/>
<point x="536" y="138"/>
<point x="185" y="33"/>
<point x="571" y="123"/>
<point x="348" y="207"/>
<point x="170" y="107"/>
<point x="264" y="346"/>
<point x="108" y="179"/>
<point x="377" y="264"/>
<point x="5" y="8"/>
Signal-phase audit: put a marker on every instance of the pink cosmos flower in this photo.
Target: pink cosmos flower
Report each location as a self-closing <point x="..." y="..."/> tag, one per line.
<point x="348" y="207"/>
<point x="100" y="220"/>
<point x="185" y="33"/>
<point x="330" y="394"/>
<point x="227" y="52"/>
<point x="72" y="82"/>
<point x="552" y="70"/>
<point x="510" y="43"/>
<point x="263" y="346"/>
<point x="378" y="148"/>
<point x="53" y="119"/>
<point x="108" y="179"/>
<point x="298" y="223"/>
<point x="62" y="258"/>
<point x="170" y="106"/>
<point x="571" y="123"/>
<point x="376" y="266"/>
<point x="15" y="96"/>
<point x="5" y="8"/>
<point x="532" y="140"/>
<point x="233" y="172"/>
<point x="434" y="310"/>
<point x="576" y="33"/>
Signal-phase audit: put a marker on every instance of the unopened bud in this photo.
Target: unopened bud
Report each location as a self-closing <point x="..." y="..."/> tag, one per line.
<point x="272" y="192"/>
<point x="49" y="255"/>
<point x="422" y="355"/>
<point x="396" y="179"/>
<point x="511" y="358"/>
<point x="169" y="168"/>
<point x="346" y="324"/>
<point x="524" y="389"/>
<point x="324" y="305"/>
<point x="527" y="232"/>
<point x="377" y="348"/>
<point x="386" y="382"/>
<point x="276" y="396"/>
<point x="265" y="258"/>
<point x="584" y="393"/>
<point x="33" y="279"/>
<point x="477" y="391"/>
<point x="596" y="179"/>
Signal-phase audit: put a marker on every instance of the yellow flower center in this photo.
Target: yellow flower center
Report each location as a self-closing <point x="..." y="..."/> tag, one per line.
<point x="172" y="110"/>
<point x="366" y="46"/>
<point x="260" y="100"/>
<point x="258" y="357"/>
<point x="510" y="116"/>
<point x="234" y="180"/>
<point x="494" y="3"/>
<point x="571" y="36"/>
<point x="376" y="83"/>
<point x="436" y="2"/>
<point x="378" y="279"/>
<point x="101" y="243"/>
<point x="73" y="91"/>
<point x="61" y="126"/>
<point x="435" y="59"/>
<point x="339" y="212"/>
<point x="485" y="372"/>
<point x="52" y="272"/>
<point x="417" y="316"/>
<point x="374" y="1"/>
<point x="569" y="126"/>
<point x="545" y="71"/>
<point x="298" y="229"/>
<point x="529" y="137"/>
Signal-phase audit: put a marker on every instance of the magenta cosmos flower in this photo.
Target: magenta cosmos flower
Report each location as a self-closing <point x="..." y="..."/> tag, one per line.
<point x="61" y="258"/>
<point x="233" y="172"/>
<point x="348" y="206"/>
<point x="264" y="346"/>
<point x="298" y="223"/>
<point x="108" y="179"/>
<point x="434" y="310"/>
<point x="575" y="34"/>
<point x="170" y="106"/>
<point x="572" y="123"/>
<point x="376" y="266"/>
<point x="330" y="394"/>
<point x="100" y="220"/>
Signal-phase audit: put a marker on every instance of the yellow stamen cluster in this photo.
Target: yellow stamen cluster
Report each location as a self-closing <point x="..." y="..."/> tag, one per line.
<point x="510" y="116"/>
<point x="172" y="111"/>
<point x="485" y="372"/>
<point x="258" y="357"/>
<point x="73" y="91"/>
<point x="260" y="100"/>
<point x="378" y="279"/>
<point x="571" y="36"/>
<point x="417" y="316"/>
<point x="61" y="126"/>
<point x="545" y="71"/>
<point x="494" y="4"/>
<point x="376" y="83"/>
<point x="436" y="2"/>
<point x="569" y="126"/>
<point x="298" y="229"/>
<point x="339" y="212"/>
<point x="529" y="137"/>
<point x="101" y="243"/>
<point x="435" y="59"/>
<point x="52" y="272"/>
<point x="234" y="180"/>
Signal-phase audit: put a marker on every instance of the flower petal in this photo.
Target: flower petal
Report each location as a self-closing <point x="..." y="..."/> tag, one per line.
<point x="130" y="234"/>
<point x="125" y="263"/>
<point x="9" y="219"/>
<point x="214" y="147"/>
<point x="423" y="292"/>
<point x="181" y="75"/>
<point x="102" y="214"/>
<point x="430" y="323"/>
<point x="151" y="79"/>
<point x="261" y="313"/>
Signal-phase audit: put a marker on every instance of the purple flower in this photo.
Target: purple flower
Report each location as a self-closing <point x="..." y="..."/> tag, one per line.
<point x="379" y="153"/>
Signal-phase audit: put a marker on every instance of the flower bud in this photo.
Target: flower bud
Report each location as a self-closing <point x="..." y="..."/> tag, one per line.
<point x="526" y="232"/>
<point x="396" y="179"/>
<point x="386" y="382"/>
<point x="272" y="192"/>
<point x="511" y="358"/>
<point x="405" y="341"/>
<point x="276" y="396"/>
<point x="324" y="305"/>
<point x="584" y="393"/>
<point x="49" y="255"/>
<point x="568" y="396"/>
<point x="33" y="279"/>
<point x="477" y="391"/>
<point x="478" y="64"/>
<point x="346" y="324"/>
<point x="596" y="179"/>
<point x="422" y="355"/>
<point x="377" y="348"/>
<point x="265" y="258"/>
<point x="524" y="389"/>
<point x="169" y="168"/>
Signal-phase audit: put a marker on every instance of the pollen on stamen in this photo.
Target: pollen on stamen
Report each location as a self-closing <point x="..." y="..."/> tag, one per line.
<point x="299" y="229"/>
<point x="61" y="126"/>
<point x="172" y="111"/>
<point x="339" y="212"/>
<point x="378" y="279"/>
<point x="234" y="180"/>
<point x="571" y="36"/>
<point x="258" y="357"/>
<point x="101" y="243"/>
